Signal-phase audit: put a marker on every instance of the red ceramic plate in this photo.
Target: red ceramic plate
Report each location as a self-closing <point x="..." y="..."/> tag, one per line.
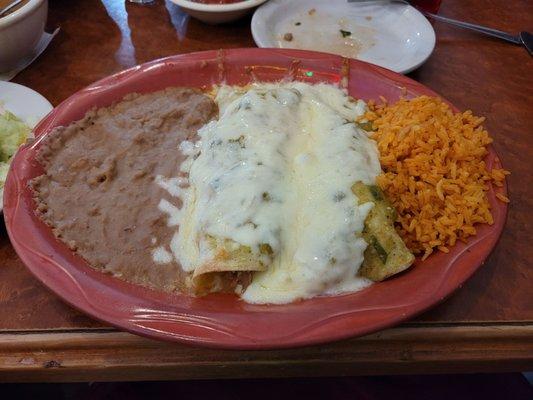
<point x="224" y="320"/>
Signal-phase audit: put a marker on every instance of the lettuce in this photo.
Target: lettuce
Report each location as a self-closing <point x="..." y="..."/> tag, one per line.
<point x="4" y="167"/>
<point x="13" y="132"/>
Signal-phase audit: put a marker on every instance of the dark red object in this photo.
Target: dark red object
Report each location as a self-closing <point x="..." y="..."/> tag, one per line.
<point x="431" y="6"/>
<point x="223" y="320"/>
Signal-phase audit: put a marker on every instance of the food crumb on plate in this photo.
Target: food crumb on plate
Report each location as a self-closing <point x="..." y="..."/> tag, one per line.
<point x="503" y="198"/>
<point x="345" y="33"/>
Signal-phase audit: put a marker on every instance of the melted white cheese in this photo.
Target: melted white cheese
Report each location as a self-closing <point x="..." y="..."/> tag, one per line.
<point x="277" y="169"/>
<point x="241" y="164"/>
<point x="161" y="255"/>
<point x="174" y="213"/>
<point x="171" y="185"/>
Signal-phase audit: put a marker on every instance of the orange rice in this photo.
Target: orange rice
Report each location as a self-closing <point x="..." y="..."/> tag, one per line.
<point x="434" y="171"/>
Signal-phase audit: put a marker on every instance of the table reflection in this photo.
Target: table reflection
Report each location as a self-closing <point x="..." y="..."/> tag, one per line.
<point x="178" y="18"/>
<point x="129" y="20"/>
<point x="116" y="9"/>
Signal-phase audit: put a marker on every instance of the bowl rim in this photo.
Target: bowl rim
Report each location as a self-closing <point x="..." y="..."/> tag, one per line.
<point x="216" y="8"/>
<point x="19" y="14"/>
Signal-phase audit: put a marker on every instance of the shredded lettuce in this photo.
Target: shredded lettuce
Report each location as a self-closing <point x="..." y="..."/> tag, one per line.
<point x="4" y="167"/>
<point x="13" y="132"/>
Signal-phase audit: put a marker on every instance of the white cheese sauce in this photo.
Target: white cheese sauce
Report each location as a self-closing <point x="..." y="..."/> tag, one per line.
<point x="161" y="255"/>
<point x="277" y="168"/>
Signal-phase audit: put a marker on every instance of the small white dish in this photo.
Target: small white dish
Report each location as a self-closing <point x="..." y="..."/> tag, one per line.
<point x="392" y="35"/>
<point x="218" y="13"/>
<point x="41" y="46"/>
<point x="20" y="32"/>
<point x="26" y="104"/>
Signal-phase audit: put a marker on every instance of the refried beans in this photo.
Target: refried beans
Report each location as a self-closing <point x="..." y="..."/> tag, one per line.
<point x="99" y="193"/>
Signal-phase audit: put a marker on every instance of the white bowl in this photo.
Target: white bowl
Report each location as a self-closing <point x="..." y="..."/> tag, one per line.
<point x="20" y="32"/>
<point x="218" y="13"/>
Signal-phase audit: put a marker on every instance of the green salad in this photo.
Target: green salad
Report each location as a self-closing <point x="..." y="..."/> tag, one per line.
<point x="13" y="132"/>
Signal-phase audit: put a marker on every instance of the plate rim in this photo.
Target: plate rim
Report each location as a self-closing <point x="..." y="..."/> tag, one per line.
<point x="236" y="342"/>
<point x="263" y="42"/>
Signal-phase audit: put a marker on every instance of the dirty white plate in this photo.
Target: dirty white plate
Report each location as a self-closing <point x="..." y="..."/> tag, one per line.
<point x="393" y="35"/>
<point x="26" y="104"/>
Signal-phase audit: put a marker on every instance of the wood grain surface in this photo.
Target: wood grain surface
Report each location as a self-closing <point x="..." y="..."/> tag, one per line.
<point x="490" y="77"/>
<point x="104" y="355"/>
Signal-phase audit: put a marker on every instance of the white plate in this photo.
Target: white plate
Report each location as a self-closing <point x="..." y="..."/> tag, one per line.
<point x="393" y="35"/>
<point x="26" y="104"/>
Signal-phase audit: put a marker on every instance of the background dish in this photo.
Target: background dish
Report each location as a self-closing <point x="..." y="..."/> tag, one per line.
<point x="222" y="320"/>
<point x="26" y="104"/>
<point x="20" y="32"/>
<point x="392" y="35"/>
<point x="218" y="13"/>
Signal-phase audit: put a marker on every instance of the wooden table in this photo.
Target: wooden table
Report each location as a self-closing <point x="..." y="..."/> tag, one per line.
<point x="485" y="326"/>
